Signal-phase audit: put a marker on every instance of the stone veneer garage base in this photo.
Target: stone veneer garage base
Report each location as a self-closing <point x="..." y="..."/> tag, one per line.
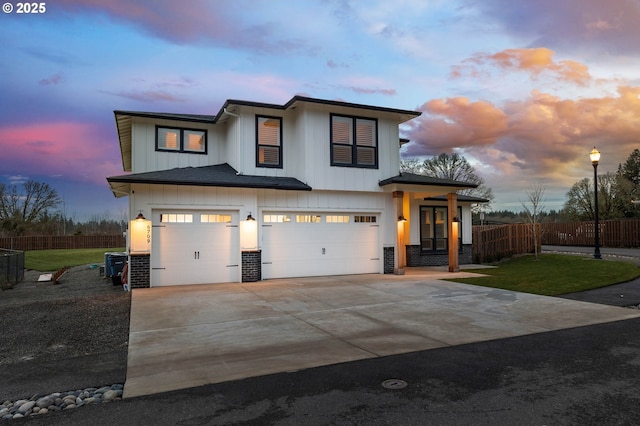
<point x="186" y="336"/>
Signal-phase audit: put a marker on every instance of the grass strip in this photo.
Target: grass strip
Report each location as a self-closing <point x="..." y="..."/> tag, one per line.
<point x="553" y="274"/>
<point x="53" y="260"/>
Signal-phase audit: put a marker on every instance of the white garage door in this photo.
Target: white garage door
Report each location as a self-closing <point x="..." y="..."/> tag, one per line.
<point x="194" y="247"/>
<point x="314" y="244"/>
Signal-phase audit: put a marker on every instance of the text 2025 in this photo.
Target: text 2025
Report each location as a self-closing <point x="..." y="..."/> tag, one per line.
<point x="31" y="7"/>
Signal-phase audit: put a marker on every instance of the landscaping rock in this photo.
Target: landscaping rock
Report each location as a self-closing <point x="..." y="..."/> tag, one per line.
<point x="39" y="405"/>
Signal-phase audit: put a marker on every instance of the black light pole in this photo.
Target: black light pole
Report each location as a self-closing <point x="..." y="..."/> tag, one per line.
<point x="595" y="157"/>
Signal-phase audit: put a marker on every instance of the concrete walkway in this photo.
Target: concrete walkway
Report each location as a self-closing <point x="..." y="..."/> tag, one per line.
<point x="186" y="336"/>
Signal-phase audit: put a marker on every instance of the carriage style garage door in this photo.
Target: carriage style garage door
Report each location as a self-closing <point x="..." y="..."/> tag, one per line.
<point x="314" y="244"/>
<point x="194" y="247"/>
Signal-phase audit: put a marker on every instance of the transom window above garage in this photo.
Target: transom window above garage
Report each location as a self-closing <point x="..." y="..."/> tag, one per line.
<point x="276" y="218"/>
<point x="338" y="218"/>
<point x="365" y="219"/>
<point x="176" y="218"/>
<point x="331" y="218"/>
<point x="215" y="218"/>
<point x="176" y="139"/>
<point x="308" y="218"/>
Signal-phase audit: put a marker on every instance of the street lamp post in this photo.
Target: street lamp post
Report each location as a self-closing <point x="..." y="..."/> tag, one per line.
<point x="595" y="158"/>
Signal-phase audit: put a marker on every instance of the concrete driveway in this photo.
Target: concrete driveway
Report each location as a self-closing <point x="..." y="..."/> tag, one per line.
<point x="186" y="336"/>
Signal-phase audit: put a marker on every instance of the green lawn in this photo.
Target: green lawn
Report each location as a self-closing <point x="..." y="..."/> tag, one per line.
<point x="53" y="260"/>
<point x="554" y="274"/>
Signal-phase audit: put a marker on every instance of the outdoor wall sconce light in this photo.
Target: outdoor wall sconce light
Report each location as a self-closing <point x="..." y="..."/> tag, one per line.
<point x="140" y="235"/>
<point x="249" y="233"/>
<point x="401" y="218"/>
<point x="455" y="227"/>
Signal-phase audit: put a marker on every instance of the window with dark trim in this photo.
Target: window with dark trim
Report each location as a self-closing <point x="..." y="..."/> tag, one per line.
<point x="268" y="141"/>
<point x="354" y="141"/>
<point x="434" y="228"/>
<point x="178" y="139"/>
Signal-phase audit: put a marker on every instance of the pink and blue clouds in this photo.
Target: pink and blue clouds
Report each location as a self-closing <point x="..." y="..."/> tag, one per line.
<point x="523" y="89"/>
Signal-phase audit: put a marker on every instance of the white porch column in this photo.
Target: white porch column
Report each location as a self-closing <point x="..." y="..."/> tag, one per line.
<point x="398" y="198"/>
<point x="453" y="230"/>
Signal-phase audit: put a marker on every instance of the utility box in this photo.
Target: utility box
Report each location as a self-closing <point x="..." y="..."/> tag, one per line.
<point x="114" y="263"/>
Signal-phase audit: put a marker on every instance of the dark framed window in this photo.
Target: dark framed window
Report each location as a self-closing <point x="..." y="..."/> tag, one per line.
<point x="354" y="141"/>
<point x="434" y="228"/>
<point x="268" y="141"/>
<point x="178" y="139"/>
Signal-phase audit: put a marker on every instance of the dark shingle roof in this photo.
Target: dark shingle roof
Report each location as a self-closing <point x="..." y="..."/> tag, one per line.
<point x="218" y="175"/>
<point x="413" y="179"/>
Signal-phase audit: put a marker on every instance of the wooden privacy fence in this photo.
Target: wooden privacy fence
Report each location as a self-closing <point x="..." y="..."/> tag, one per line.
<point x="495" y="242"/>
<point x="51" y="242"/>
<point x="613" y="233"/>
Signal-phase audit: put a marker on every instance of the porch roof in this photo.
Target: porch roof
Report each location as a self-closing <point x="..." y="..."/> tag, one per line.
<point x="407" y="181"/>
<point x="221" y="175"/>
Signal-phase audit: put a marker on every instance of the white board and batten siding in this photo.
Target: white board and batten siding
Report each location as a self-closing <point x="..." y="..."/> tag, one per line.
<point x="144" y="156"/>
<point x="306" y="149"/>
<point x="320" y="175"/>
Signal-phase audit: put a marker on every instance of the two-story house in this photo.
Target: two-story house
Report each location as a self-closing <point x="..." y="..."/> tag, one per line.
<point x="261" y="191"/>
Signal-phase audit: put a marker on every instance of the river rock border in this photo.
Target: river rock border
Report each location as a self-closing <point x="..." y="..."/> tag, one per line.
<point x="57" y="401"/>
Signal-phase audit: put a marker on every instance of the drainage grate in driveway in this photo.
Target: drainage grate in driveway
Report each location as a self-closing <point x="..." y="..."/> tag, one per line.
<point x="394" y="384"/>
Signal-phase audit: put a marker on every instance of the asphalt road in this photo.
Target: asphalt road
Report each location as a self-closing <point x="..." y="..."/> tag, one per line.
<point x="632" y="254"/>
<point x="585" y="376"/>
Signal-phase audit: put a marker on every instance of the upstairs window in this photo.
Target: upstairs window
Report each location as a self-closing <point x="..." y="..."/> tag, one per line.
<point x="354" y="142"/>
<point x="175" y="139"/>
<point x="268" y="141"/>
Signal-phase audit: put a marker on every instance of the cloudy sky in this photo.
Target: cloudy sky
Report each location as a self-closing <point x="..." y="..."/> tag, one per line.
<point x="523" y="89"/>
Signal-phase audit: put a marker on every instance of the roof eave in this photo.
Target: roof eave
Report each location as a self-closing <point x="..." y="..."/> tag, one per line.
<point x="405" y="114"/>
<point x="166" y="116"/>
<point x="124" y="129"/>
<point x="284" y="187"/>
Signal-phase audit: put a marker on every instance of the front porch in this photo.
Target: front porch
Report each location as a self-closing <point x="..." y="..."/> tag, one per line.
<point x="433" y="222"/>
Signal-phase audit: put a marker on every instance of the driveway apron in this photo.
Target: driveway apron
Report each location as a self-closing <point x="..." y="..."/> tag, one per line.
<point x="186" y="336"/>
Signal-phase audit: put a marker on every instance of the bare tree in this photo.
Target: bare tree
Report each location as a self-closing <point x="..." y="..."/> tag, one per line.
<point x="21" y="209"/>
<point x="411" y="165"/>
<point x="533" y="209"/>
<point x="453" y="167"/>
<point x="580" y="204"/>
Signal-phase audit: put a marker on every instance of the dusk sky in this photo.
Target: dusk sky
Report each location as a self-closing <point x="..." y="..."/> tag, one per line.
<point x="523" y="89"/>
